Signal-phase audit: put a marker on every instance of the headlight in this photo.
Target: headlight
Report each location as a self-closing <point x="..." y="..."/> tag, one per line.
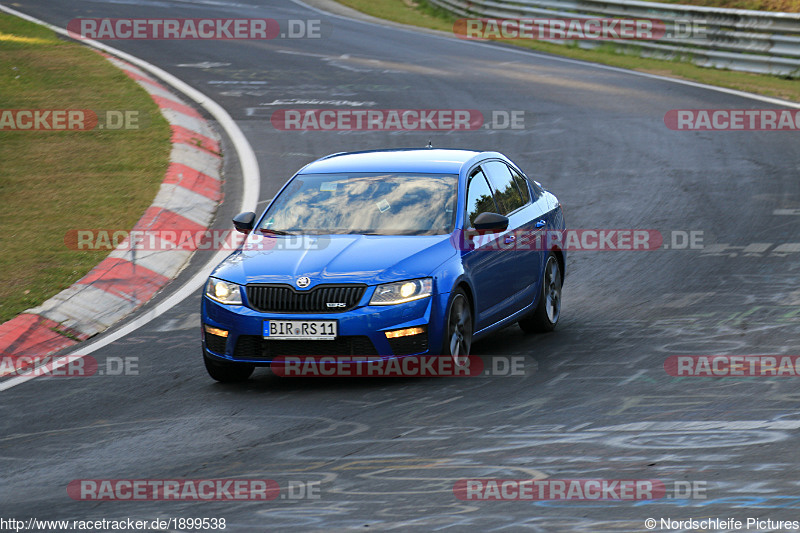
<point x="402" y="291"/>
<point x="223" y="292"/>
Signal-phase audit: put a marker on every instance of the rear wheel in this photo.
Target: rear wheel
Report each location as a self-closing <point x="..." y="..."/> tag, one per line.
<point x="458" y="329"/>
<point x="227" y="372"/>
<point x="545" y="317"/>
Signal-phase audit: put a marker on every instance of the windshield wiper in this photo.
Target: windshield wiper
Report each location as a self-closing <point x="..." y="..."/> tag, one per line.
<point x="276" y="232"/>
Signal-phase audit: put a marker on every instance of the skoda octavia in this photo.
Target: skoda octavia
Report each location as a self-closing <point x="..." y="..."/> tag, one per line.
<point x="388" y="253"/>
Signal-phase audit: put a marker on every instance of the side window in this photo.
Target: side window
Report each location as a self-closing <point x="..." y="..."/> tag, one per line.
<point x="508" y="195"/>
<point x="522" y="183"/>
<point x="479" y="197"/>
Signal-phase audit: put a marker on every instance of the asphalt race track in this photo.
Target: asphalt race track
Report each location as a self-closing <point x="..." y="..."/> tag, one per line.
<point x="594" y="402"/>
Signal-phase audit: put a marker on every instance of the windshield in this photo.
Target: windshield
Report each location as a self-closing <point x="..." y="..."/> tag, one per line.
<point x="365" y="203"/>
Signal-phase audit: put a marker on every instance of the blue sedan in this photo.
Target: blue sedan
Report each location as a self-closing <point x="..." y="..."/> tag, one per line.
<point x="389" y="253"/>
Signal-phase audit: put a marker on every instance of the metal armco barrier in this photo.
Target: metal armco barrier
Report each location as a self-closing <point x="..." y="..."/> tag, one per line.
<point x="734" y="39"/>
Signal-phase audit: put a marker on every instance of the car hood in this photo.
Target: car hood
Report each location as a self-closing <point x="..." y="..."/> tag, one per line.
<point x="370" y="259"/>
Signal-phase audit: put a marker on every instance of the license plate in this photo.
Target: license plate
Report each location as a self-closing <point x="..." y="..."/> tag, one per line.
<point x="300" y="329"/>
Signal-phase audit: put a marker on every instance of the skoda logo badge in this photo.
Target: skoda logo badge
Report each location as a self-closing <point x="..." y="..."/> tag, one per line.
<point x="303" y="282"/>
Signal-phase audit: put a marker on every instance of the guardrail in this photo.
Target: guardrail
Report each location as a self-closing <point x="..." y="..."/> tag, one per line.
<point x="734" y="39"/>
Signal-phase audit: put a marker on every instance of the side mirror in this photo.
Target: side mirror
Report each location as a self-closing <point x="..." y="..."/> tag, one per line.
<point x="243" y="222"/>
<point x="493" y="222"/>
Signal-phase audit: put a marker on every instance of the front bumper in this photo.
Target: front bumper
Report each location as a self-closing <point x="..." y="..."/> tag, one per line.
<point x="361" y="331"/>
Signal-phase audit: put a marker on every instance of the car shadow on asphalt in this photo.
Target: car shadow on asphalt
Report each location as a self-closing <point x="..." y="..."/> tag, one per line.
<point x="509" y="341"/>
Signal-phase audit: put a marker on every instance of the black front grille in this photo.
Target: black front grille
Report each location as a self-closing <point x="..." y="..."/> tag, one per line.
<point x="256" y="347"/>
<point x="285" y="299"/>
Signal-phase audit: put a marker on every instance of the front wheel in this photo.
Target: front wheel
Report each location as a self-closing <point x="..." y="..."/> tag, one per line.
<point x="227" y="372"/>
<point x="547" y="312"/>
<point x="458" y="329"/>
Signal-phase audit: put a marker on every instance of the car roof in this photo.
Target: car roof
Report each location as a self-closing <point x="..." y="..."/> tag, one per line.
<point x="430" y="160"/>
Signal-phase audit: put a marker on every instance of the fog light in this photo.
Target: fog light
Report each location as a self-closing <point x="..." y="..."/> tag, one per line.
<point x="216" y="331"/>
<point x="404" y="332"/>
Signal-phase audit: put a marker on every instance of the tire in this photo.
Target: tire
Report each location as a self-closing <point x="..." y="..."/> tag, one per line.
<point x="227" y="372"/>
<point x="458" y="328"/>
<point x="545" y="317"/>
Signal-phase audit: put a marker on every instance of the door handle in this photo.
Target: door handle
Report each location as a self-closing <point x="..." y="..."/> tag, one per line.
<point x="540" y="224"/>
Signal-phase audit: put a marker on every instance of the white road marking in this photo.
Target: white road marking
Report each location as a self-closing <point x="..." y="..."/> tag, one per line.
<point x="556" y="379"/>
<point x="176" y="324"/>
<point x="204" y="64"/>
<point x="757" y="247"/>
<point x="681" y="301"/>
<point x="637" y="375"/>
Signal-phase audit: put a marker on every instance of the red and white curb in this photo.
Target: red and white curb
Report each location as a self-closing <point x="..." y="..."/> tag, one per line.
<point x="126" y="279"/>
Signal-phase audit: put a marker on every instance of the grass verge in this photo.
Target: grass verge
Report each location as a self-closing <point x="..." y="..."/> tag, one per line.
<point x="420" y="13"/>
<point x="54" y="181"/>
